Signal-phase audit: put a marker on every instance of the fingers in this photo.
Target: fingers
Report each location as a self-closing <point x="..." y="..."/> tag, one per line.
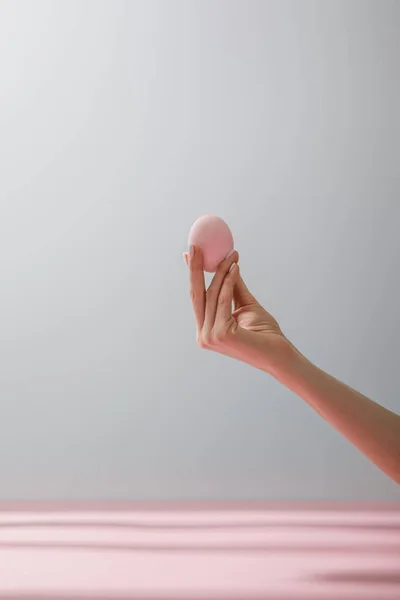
<point x="213" y="309"/>
<point x="241" y="294"/>
<point x="214" y="290"/>
<point x="197" y="285"/>
<point x="225" y="299"/>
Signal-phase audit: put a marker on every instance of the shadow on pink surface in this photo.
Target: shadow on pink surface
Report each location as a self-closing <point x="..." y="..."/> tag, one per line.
<point x="104" y="553"/>
<point x="197" y="526"/>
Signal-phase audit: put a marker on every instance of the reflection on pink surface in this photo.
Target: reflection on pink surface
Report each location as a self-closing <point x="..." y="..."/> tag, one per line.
<point x="200" y="552"/>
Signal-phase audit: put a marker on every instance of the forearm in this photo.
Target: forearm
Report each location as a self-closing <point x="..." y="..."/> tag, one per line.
<point x="373" y="429"/>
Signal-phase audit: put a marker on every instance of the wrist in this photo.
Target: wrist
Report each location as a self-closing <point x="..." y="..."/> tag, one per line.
<point x="299" y="374"/>
<point x="288" y="365"/>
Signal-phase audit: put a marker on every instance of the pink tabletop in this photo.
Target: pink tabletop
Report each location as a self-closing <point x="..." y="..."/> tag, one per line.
<point x="200" y="552"/>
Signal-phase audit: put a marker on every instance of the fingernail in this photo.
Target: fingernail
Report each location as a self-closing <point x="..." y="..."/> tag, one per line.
<point x="230" y="254"/>
<point x="233" y="265"/>
<point x="191" y="251"/>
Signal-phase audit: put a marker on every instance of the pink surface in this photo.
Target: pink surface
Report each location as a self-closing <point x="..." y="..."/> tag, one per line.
<point x="215" y="239"/>
<point x="189" y="553"/>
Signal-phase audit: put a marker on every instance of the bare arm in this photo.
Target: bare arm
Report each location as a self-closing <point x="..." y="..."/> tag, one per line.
<point x="373" y="429"/>
<point x="250" y="334"/>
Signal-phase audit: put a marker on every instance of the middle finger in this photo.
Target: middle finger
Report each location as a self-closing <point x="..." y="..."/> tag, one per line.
<point x="215" y="288"/>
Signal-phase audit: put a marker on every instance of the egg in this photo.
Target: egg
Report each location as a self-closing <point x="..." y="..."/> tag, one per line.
<point x="214" y="238"/>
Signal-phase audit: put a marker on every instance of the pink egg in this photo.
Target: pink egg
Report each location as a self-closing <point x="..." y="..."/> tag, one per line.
<point x="215" y="239"/>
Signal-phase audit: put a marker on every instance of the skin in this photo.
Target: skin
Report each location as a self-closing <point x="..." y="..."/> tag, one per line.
<point x="230" y="321"/>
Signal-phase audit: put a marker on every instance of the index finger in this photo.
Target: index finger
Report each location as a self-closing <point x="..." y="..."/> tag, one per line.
<point x="197" y="285"/>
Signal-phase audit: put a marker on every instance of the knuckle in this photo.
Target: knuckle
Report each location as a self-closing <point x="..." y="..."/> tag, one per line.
<point x="207" y="340"/>
<point x="219" y="336"/>
<point x="223" y="300"/>
<point x="201" y="341"/>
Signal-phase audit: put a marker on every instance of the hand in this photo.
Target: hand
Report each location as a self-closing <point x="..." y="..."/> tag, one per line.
<point x="252" y="335"/>
<point x="248" y="333"/>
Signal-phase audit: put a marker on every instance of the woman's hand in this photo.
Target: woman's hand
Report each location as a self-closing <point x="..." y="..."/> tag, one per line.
<point x="252" y="335"/>
<point x="248" y="333"/>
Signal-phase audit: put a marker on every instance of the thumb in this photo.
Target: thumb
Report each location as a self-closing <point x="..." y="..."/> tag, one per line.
<point x="241" y="294"/>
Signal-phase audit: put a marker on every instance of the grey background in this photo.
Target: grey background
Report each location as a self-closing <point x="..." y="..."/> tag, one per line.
<point x="120" y="123"/>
